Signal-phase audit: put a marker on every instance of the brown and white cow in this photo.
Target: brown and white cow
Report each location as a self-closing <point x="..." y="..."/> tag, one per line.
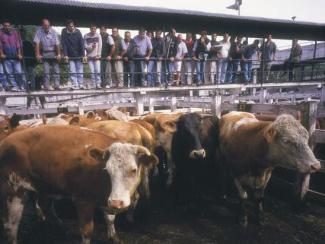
<point x="91" y="168"/>
<point x="250" y="149"/>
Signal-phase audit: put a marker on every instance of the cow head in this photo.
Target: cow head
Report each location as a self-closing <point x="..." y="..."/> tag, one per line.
<point x="124" y="165"/>
<point x="188" y="128"/>
<point x="288" y="145"/>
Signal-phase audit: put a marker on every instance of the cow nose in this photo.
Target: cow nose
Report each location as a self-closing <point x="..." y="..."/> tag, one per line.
<point x="198" y="153"/>
<point x="315" y="167"/>
<point x="118" y="204"/>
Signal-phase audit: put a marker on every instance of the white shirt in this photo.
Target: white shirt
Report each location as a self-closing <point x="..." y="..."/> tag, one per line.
<point x="181" y="50"/>
<point x="224" y="51"/>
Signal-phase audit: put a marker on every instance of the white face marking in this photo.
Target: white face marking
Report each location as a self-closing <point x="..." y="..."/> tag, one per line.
<point x="124" y="172"/>
<point x="15" y="181"/>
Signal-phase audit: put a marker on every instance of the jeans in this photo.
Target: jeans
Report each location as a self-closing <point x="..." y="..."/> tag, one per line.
<point x="3" y="81"/>
<point x="265" y="70"/>
<point x="141" y="71"/>
<point x="103" y="64"/>
<point x="94" y="66"/>
<point x="222" y="69"/>
<point x="47" y="65"/>
<point x="232" y="69"/>
<point x="76" y="70"/>
<point x="247" y="70"/>
<point x="188" y="72"/>
<point x="200" y="68"/>
<point x="154" y="72"/>
<point x="129" y="69"/>
<point x="213" y="71"/>
<point x="13" y="72"/>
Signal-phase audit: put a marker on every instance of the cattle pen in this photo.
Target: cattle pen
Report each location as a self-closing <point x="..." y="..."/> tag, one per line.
<point x="294" y="203"/>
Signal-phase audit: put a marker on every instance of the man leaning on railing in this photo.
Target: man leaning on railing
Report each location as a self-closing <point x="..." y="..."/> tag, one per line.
<point x="11" y="56"/>
<point x="47" y="50"/>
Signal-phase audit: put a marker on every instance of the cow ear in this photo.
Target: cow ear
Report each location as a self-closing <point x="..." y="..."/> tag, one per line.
<point x="169" y="126"/>
<point x="270" y="134"/>
<point x="148" y="161"/>
<point x="99" y="154"/>
<point x="74" y="121"/>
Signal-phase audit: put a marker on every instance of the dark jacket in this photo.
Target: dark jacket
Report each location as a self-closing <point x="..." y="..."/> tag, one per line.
<point x="72" y="43"/>
<point x="158" y="47"/>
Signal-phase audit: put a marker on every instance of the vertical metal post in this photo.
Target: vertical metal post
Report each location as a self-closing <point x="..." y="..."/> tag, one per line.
<point x="139" y="103"/>
<point x="313" y="64"/>
<point x="216" y="105"/>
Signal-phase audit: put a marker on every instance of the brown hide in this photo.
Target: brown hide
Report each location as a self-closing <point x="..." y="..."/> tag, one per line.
<point x="58" y="158"/>
<point x="125" y="131"/>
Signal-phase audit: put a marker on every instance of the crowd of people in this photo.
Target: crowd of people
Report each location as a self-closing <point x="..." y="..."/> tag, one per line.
<point x="147" y="59"/>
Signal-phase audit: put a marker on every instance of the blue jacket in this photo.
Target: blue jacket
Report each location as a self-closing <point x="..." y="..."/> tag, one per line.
<point x="72" y="43"/>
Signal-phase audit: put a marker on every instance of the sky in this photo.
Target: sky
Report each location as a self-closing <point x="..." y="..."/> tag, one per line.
<point x="304" y="10"/>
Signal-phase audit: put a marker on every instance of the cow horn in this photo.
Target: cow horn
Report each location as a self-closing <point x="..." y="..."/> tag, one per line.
<point x="142" y="149"/>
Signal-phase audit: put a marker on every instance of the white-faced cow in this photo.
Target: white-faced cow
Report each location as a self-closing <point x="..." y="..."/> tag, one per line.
<point x="250" y="149"/>
<point x="82" y="164"/>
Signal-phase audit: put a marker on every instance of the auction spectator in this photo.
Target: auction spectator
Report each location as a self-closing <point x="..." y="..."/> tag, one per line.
<point x="235" y="55"/>
<point x="294" y="58"/>
<point x="223" y="58"/>
<point x="188" y="63"/>
<point x="93" y="46"/>
<point x="104" y="53"/>
<point x="11" y="53"/>
<point x="268" y="51"/>
<point x="213" y="57"/>
<point x="171" y="50"/>
<point x="247" y="56"/>
<point x="155" y="64"/>
<point x="47" y="49"/>
<point x="73" y="51"/>
<point x="119" y="51"/>
<point x="142" y="53"/>
<point x="2" y="78"/>
<point x="129" y="67"/>
<point x="181" y="52"/>
<point x="201" y="51"/>
<point x="107" y="54"/>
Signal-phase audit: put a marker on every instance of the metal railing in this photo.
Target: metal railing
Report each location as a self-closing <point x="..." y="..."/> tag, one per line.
<point x="134" y="72"/>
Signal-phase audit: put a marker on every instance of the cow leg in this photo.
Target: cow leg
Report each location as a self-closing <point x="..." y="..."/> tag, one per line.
<point x="85" y="212"/>
<point x="131" y="210"/>
<point x="243" y="202"/>
<point x="13" y="206"/>
<point x="259" y="197"/>
<point x="111" y="232"/>
<point x="47" y="206"/>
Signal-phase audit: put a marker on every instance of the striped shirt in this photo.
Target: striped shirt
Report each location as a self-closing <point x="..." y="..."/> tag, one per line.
<point x="48" y="40"/>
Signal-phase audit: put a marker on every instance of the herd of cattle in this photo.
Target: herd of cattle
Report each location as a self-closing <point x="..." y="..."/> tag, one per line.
<point x="107" y="160"/>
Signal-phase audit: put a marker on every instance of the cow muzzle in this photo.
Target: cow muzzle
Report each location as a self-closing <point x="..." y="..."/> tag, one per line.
<point x="315" y="167"/>
<point x="196" y="154"/>
<point x="116" y="204"/>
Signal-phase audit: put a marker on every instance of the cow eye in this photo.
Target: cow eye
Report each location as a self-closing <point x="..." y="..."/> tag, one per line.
<point x="286" y="141"/>
<point x="133" y="172"/>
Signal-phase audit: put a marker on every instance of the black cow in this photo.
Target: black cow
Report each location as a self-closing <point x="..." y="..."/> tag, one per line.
<point x="194" y="147"/>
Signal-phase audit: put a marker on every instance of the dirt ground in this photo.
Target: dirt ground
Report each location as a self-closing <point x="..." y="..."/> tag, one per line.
<point x="215" y="224"/>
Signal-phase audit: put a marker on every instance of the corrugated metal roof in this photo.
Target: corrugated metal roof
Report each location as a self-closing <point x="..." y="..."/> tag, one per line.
<point x="132" y="17"/>
<point x="109" y="6"/>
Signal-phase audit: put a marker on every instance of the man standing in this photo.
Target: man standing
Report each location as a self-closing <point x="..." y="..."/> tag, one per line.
<point x="201" y="49"/>
<point x="93" y="46"/>
<point x="119" y="51"/>
<point x="142" y="53"/>
<point x="222" y="54"/>
<point x="73" y="51"/>
<point x="11" y="53"/>
<point x="171" y="50"/>
<point x="154" y="66"/>
<point x="181" y="52"/>
<point x="294" y="58"/>
<point x="235" y="55"/>
<point x="129" y="67"/>
<point x="268" y="51"/>
<point x="188" y="63"/>
<point x="213" y="57"/>
<point x="247" y="56"/>
<point x="47" y="49"/>
<point x="105" y="49"/>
